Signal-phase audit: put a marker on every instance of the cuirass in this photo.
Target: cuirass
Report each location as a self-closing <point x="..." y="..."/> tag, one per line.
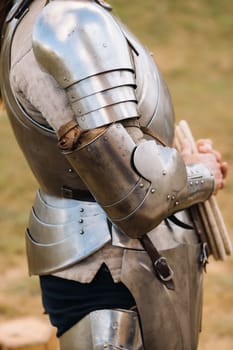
<point x="38" y="141"/>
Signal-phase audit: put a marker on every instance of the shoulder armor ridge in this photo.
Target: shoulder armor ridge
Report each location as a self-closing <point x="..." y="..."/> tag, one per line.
<point x="80" y="30"/>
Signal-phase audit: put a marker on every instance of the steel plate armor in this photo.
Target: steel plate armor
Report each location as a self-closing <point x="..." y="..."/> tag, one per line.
<point x="118" y="184"/>
<point x="137" y="194"/>
<point x="105" y="329"/>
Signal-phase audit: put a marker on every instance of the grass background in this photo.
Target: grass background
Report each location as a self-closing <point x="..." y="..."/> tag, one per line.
<point x="192" y="44"/>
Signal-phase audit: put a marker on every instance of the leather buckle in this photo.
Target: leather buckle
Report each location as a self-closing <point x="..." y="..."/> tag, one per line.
<point x="204" y="255"/>
<point x="163" y="270"/>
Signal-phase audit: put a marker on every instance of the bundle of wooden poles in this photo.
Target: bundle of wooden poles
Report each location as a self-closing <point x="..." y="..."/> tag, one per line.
<point x="207" y="215"/>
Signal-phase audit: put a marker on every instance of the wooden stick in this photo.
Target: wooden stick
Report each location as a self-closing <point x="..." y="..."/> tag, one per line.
<point x="200" y="207"/>
<point x="212" y="206"/>
<point x="221" y="225"/>
<point x="215" y="228"/>
<point x="207" y="214"/>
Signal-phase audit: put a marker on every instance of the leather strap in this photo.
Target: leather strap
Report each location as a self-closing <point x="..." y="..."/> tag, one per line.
<point x="161" y="267"/>
<point x="77" y="194"/>
<point x="69" y="135"/>
<point x="65" y="128"/>
<point x="179" y="223"/>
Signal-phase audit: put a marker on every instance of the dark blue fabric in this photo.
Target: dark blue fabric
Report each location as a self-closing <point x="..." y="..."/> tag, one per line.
<point x="67" y="301"/>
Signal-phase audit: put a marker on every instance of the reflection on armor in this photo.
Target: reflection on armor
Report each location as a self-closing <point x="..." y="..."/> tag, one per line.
<point x="60" y="233"/>
<point x="28" y="131"/>
<point x="169" y="319"/>
<point x="104" y="329"/>
<point x="154" y="100"/>
<point x="129" y="200"/>
<point x="145" y="184"/>
<point x="104" y="67"/>
<point x="137" y="181"/>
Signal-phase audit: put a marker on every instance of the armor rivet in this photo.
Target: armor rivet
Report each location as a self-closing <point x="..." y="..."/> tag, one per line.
<point x="114" y="325"/>
<point x="173" y="197"/>
<point x="81" y="232"/>
<point x="79" y="111"/>
<point x="168" y="196"/>
<point x="105" y="346"/>
<point x="152" y="190"/>
<point x="164" y="172"/>
<point x="177" y="203"/>
<point x="141" y="185"/>
<point x="70" y="170"/>
<point x="81" y="221"/>
<point x="202" y="181"/>
<point x="105" y="138"/>
<point x="197" y="182"/>
<point x="81" y="210"/>
<point x="191" y="183"/>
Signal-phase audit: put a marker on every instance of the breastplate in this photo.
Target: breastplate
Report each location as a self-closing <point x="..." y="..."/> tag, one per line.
<point x="39" y="143"/>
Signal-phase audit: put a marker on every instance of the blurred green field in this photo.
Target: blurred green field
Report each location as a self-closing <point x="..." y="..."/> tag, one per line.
<point x="192" y="44"/>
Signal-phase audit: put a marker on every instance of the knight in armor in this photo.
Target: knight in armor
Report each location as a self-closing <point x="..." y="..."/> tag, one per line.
<point x="110" y="232"/>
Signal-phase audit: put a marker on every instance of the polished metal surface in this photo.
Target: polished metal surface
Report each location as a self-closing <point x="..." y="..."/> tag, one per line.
<point x="104" y="329"/>
<point x="94" y="162"/>
<point x="93" y="84"/>
<point x="29" y="131"/>
<point x="100" y="100"/>
<point x="62" y="232"/>
<point x="170" y="320"/>
<point x="166" y="235"/>
<point x="101" y="82"/>
<point x="110" y="114"/>
<point x="154" y="101"/>
<point x="145" y="184"/>
<point x="78" y="34"/>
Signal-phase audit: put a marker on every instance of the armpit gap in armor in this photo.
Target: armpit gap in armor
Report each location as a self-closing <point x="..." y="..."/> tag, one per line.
<point x="102" y="89"/>
<point x="146" y="183"/>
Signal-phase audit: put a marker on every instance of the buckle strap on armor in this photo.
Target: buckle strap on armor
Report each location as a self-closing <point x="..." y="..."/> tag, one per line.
<point x="68" y="135"/>
<point x="161" y="267"/>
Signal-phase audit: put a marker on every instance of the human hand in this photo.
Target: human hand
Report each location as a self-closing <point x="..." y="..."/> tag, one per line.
<point x="207" y="155"/>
